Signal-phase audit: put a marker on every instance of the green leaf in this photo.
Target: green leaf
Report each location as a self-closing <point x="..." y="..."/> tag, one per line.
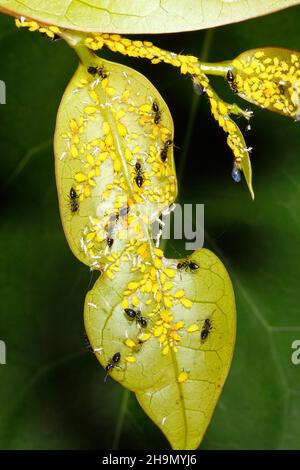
<point x="142" y="16"/>
<point x="164" y="331"/>
<point x="181" y="410"/>
<point x="270" y="78"/>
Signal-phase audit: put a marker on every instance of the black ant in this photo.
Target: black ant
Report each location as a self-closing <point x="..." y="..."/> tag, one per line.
<point x="110" y="242"/>
<point x="207" y="327"/>
<point x="281" y="89"/>
<point x="112" y="364"/>
<point x="97" y="71"/>
<point x="139" y="179"/>
<point x="157" y="112"/>
<point x="136" y="315"/>
<point x="73" y="201"/>
<point x="164" y="150"/>
<point x="187" y="265"/>
<point x="231" y="81"/>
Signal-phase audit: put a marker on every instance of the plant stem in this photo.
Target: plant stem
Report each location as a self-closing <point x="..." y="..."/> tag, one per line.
<point x="194" y="108"/>
<point x="217" y="68"/>
<point x="121" y="418"/>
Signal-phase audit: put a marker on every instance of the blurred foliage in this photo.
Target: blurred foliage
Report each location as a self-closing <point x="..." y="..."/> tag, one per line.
<point x="51" y="389"/>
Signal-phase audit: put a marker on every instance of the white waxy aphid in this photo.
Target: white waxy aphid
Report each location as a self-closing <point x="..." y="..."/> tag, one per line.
<point x="90" y="304"/>
<point x="98" y="350"/>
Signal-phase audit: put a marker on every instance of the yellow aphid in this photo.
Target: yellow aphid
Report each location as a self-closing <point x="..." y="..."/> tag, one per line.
<point x="175" y="336"/>
<point x="186" y="303"/>
<point x="167" y="286"/>
<point x="168" y="302"/>
<point x="133" y="285"/>
<point x="180" y="293"/>
<point x="90" y="110"/>
<point x="223" y="108"/>
<point x="74" y="151"/>
<point x="165" y="315"/>
<point x="130" y="359"/>
<point x="182" y="377"/>
<point x="109" y="274"/>
<point x="80" y="177"/>
<point x="145" y="108"/>
<point x="193" y="328"/>
<point x="135" y="301"/>
<point x="121" y="129"/>
<point x="158" y="331"/>
<point x="158" y="263"/>
<point x="259" y="54"/>
<point x="169" y="272"/>
<point x="130" y="343"/>
<point x="90" y="159"/>
<point x="158" y="252"/>
<point x="178" y="325"/>
<point x="125" y="95"/>
<point x="93" y="95"/>
<point x="144" y="337"/>
<point x="117" y="166"/>
<point x="105" y="128"/>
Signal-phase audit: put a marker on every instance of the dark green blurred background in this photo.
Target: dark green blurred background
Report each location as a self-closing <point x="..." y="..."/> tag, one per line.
<point x="52" y="394"/>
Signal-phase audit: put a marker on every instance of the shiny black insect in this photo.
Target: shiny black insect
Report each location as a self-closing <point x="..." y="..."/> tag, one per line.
<point x="157" y="112"/>
<point x="164" y="150"/>
<point x="231" y="81"/>
<point x="187" y="265"/>
<point x="206" y="329"/>
<point x="110" y="242"/>
<point x="281" y="89"/>
<point x="97" y="71"/>
<point x="73" y="201"/>
<point x="136" y="315"/>
<point x="139" y="179"/>
<point x="112" y="364"/>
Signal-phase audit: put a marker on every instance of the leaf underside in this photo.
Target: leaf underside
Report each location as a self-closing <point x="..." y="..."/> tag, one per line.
<point x="106" y="124"/>
<point x="140" y="17"/>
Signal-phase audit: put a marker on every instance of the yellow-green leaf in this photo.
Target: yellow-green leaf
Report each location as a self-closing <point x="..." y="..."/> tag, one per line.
<point x="270" y="78"/>
<point x="101" y="134"/>
<point x="176" y="375"/>
<point x="163" y="328"/>
<point x="142" y="16"/>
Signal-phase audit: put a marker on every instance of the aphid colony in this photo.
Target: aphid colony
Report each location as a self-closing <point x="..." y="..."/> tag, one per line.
<point x="141" y="167"/>
<point x="84" y="182"/>
<point x="97" y="71"/>
<point x="134" y="315"/>
<point x="269" y="78"/>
